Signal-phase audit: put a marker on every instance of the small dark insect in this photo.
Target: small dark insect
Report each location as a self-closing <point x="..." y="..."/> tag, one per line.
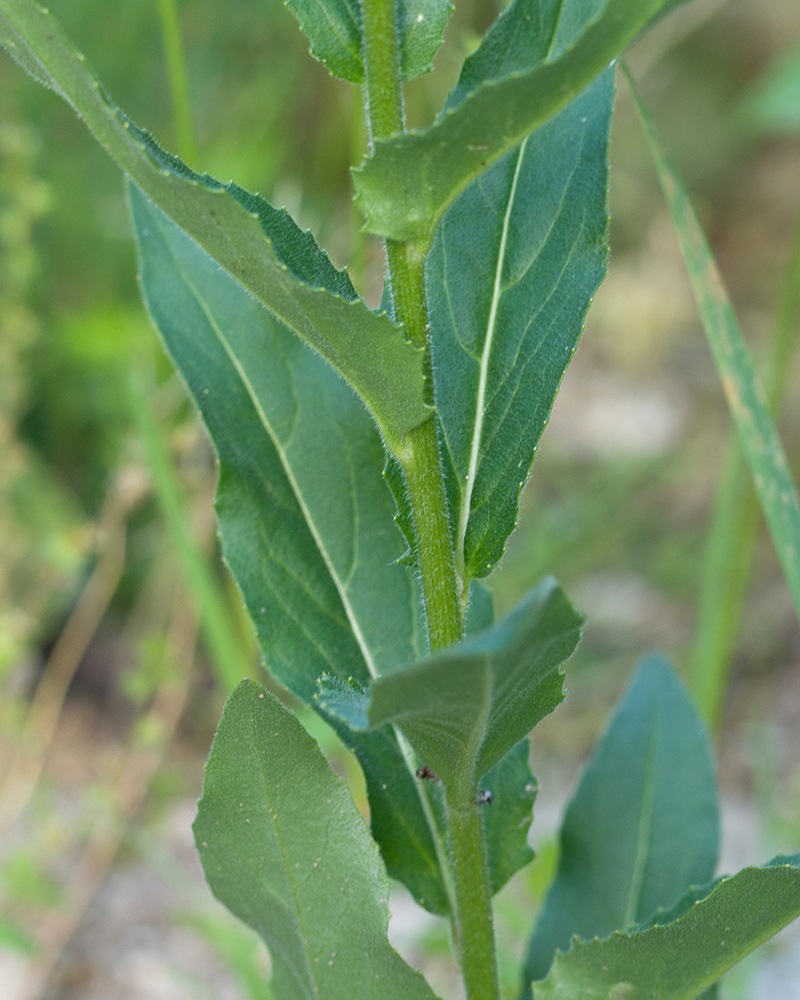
<point x="485" y="797"/>
<point x="424" y="773"/>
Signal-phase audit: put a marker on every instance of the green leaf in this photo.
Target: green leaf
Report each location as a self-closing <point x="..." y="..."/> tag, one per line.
<point x="305" y="518"/>
<point x="743" y="391"/>
<point x="334" y="28"/>
<point x="420" y="26"/>
<point x="464" y="709"/>
<point x="511" y="274"/>
<point x="407" y="184"/>
<point x="678" y="960"/>
<point x="258" y="245"/>
<point x="507" y="820"/>
<point x="643" y="825"/>
<point x="285" y="849"/>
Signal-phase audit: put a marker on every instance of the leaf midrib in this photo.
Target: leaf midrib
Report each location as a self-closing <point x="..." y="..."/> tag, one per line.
<point x="480" y="403"/>
<point x="286" y="466"/>
<point x="644" y="826"/>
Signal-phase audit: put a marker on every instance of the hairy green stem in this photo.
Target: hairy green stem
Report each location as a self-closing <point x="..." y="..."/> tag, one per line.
<point x="474" y="931"/>
<point x="467" y="874"/>
<point x="729" y="549"/>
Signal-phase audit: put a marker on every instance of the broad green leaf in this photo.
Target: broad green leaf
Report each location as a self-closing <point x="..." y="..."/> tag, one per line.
<point x="334" y="28"/>
<point x="680" y="959"/>
<point x="407" y="184"/>
<point x="258" y="245"/>
<point x="746" y="399"/>
<point x="507" y="820"/>
<point x="285" y="849"/>
<point x="512" y="271"/>
<point x="305" y="518"/>
<point x="465" y="708"/>
<point x="643" y="825"/>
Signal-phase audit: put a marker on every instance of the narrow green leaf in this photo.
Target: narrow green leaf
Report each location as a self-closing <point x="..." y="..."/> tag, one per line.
<point x="746" y="398"/>
<point x="334" y="28"/>
<point x="678" y="960"/>
<point x="464" y="709"/>
<point x="643" y="825"/>
<point x="305" y="518"/>
<point x="407" y="184"/>
<point x="286" y="270"/>
<point x="285" y="849"/>
<point x="511" y="274"/>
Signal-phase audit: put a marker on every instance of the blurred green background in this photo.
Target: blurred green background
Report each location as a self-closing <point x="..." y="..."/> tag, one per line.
<point x="119" y="627"/>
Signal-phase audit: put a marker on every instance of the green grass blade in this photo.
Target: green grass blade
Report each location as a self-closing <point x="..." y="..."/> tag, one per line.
<point x="729" y="549"/>
<point x="176" y="66"/>
<point x="746" y="398"/>
<point x="231" y="663"/>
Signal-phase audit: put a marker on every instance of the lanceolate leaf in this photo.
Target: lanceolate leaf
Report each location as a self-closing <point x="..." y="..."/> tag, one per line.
<point x="305" y="518"/>
<point x="643" y="825"/>
<point x="511" y="274"/>
<point x="334" y="28"/>
<point x="464" y="709"/>
<point x="285" y="849"/>
<point x="408" y="182"/>
<point x="746" y="399"/>
<point x="678" y="960"/>
<point x="286" y="271"/>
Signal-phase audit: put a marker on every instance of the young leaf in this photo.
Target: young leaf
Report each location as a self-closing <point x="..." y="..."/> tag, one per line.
<point x="286" y="270"/>
<point x="407" y="184"/>
<point x="334" y="28"/>
<point x="708" y="934"/>
<point x="464" y="709"/>
<point x="643" y="825"/>
<point x="305" y="519"/>
<point x="285" y="849"/>
<point x="746" y="399"/>
<point x="512" y="271"/>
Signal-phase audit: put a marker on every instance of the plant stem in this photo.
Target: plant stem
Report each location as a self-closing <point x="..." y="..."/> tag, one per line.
<point x="419" y="455"/>
<point x="468" y="877"/>
<point x="474" y="932"/>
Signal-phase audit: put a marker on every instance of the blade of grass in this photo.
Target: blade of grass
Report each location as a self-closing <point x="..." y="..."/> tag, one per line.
<point x="176" y="66"/>
<point x="746" y="399"/>
<point x="229" y="660"/>
<point x="729" y="549"/>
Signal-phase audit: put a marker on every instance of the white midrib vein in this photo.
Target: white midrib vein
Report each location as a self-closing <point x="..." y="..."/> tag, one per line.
<point x="338" y="583"/>
<point x="486" y="354"/>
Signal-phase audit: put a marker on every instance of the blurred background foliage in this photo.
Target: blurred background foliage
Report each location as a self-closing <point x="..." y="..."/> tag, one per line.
<point x="120" y="630"/>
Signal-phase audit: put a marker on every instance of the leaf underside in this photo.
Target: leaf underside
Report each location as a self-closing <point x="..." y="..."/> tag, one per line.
<point x="463" y="709"/>
<point x="259" y="246"/>
<point x="678" y="960"/>
<point x="643" y="825"/>
<point x="285" y="849"/>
